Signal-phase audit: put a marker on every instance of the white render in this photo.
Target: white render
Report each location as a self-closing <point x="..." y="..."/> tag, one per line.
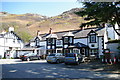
<point x="9" y="43"/>
<point x="100" y="48"/>
<point x="117" y="28"/>
<point x="43" y="44"/>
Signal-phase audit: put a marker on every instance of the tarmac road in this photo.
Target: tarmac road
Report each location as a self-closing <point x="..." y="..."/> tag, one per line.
<point x="40" y="69"/>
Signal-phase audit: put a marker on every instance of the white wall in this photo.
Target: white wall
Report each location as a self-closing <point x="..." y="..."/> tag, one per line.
<point x="113" y="47"/>
<point x="111" y="33"/>
<point x="10" y="40"/>
<point x="43" y="43"/>
<point x="100" y="50"/>
<point x="2" y="51"/>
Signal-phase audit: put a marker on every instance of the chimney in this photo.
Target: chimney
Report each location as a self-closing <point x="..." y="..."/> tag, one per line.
<point x="38" y="32"/>
<point x="3" y="32"/>
<point x="11" y="29"/>
<point x="50" y="31"/>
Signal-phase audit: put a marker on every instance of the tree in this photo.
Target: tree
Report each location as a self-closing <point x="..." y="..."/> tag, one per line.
<point x="99" y="13"/>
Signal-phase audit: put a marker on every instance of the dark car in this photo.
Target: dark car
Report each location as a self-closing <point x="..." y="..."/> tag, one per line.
<point x="29" y="56"/>
<point x="73" y="58"/>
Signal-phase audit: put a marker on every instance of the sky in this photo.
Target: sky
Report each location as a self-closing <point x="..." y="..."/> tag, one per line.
<point x="46" y="8"/>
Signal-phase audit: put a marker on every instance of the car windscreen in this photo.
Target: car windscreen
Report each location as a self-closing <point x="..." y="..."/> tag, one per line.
<point x="70" y="55"/>
<point x="52" y="55"/>
<point x="24" y="53"/>
<point x="30" y="54"/>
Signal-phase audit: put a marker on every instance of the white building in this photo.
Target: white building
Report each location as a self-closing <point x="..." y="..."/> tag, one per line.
<point x="35" y="45"/>
<point x="88" y="42"/>
<point x="9" y="43"/>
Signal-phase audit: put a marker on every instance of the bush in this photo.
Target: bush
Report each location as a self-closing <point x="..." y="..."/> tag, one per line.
<point x="11" y="58"/>
<point x="3" y="58"/>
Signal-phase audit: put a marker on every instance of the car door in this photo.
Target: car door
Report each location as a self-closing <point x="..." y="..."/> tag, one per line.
<point x="32" y="56"/>
<point x="61" y="57"/>
<point x="35" y="56"/>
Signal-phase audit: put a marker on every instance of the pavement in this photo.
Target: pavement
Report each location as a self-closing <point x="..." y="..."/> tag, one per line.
<point x="9" y="61"/>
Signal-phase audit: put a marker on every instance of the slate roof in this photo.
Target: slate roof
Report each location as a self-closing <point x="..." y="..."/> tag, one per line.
<point x="69" y="34"/>
<point x="39" y="37"/>
<point x="77" y="33"/>
<point x="52" y="36"/>
<point x="78" y="45"/>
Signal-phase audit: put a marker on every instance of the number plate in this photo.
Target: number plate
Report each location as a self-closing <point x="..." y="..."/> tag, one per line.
<point x="49" y="60"/>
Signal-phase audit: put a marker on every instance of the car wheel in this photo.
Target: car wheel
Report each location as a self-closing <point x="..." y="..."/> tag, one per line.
<point x="57" y="61"/>
<point x="78" y="63"/>
<point x="28" y="59"/>
<point x="48" y="62"/>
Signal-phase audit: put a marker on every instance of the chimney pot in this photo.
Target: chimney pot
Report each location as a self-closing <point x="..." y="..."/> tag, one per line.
<point x="50" y="31"/>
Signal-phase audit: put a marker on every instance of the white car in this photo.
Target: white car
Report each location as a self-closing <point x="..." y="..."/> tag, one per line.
<point x="55" y="58"/>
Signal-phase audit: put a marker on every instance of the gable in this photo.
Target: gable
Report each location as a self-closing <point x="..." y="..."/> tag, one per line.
<point x="12" y="35"/>
<point x="92" y="32"/>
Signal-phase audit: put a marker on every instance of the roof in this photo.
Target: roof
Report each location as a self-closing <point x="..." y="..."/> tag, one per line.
<point x="77" y="33"/>
<point x="39" y="37"/>
<point x="69" y="34"/>
<point x="52" y="36"/>
<point x="114" y="41"/>
<point x="78" y="45"/>
<point x="18" y="38"/>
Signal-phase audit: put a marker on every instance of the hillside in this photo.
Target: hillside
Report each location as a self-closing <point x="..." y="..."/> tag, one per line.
<point x="26" y="25"/>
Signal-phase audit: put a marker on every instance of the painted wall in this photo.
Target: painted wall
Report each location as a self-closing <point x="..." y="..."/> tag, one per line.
<point x="10" y="40"/>
<point x="113" y="47"/>
<point x="100" y="44"/>
<point x="43" y="43"/>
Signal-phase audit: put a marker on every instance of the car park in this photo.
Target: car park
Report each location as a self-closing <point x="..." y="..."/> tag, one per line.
<point x="55" y="58"/>
<point x="73" y="58"/>
<point x="29" y="56"/>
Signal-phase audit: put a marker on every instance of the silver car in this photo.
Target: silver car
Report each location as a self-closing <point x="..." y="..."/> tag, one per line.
<point x="73" y="58"/>
<point x="55" y="58"/>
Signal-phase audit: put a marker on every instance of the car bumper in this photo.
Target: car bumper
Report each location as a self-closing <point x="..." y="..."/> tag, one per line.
<point x="51" y="60"/>
<point x="71" y="61"/>
<point x="23" y="58"/>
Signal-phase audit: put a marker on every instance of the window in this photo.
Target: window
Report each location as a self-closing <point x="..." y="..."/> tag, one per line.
<point x="93" y="51"/>
<point x="13" y="40"/>
<point x="93" y="38"/>
<point x="70" y="40"/>
<point x="75" y="51"/>
<point x="65" y="39"/>
<point x="58" y="42"/>
<point x="59" y="51"/>
<point x="51" y="41"/>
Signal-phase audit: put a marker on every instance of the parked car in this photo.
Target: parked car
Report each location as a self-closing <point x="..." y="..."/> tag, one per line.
<point x="55" y="58"/>
<point x="29" y="56"/>
<point x="73" y="58"/>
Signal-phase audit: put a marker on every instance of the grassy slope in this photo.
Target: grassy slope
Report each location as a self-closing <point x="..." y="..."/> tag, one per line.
<point x="26" y="25"/>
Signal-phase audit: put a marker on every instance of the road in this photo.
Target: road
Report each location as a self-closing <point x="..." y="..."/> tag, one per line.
<point x="42" y="69"/>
